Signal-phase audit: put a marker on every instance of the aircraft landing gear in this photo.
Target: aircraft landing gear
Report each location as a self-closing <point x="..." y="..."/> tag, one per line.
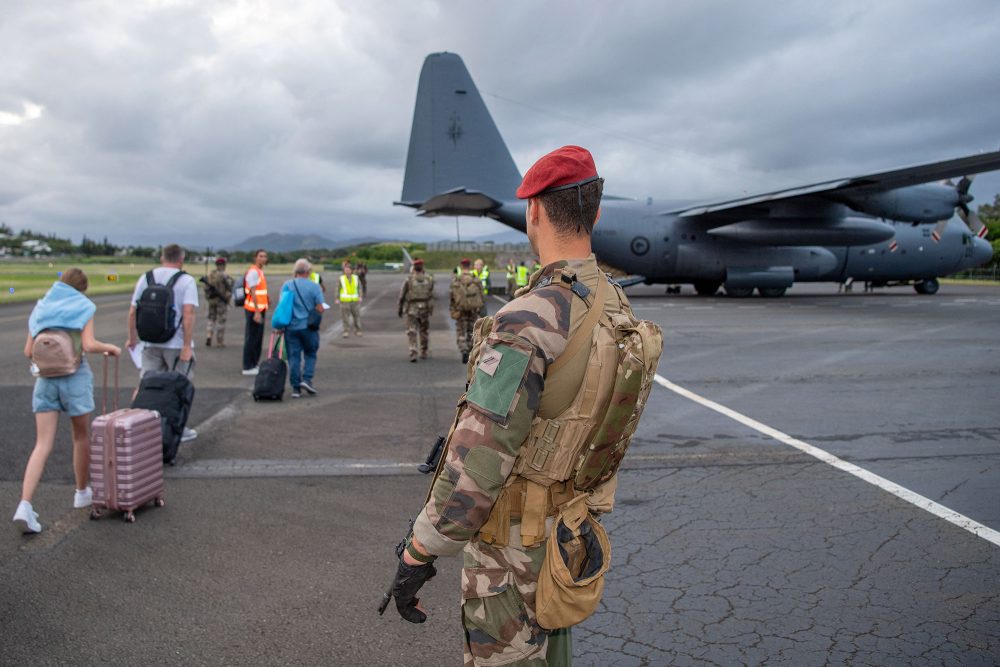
<point x="771" y="292"/>
<point x="739" y="292"/>
<point x="706" y="287"/>
<point x="927" y="286"/>
<point x="673" y="289"/>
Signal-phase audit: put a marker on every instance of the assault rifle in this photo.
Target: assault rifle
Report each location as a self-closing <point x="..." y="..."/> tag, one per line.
<point x="427" y="467"/>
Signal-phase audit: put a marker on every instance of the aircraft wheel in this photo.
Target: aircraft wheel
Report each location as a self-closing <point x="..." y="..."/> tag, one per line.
<point x="771" y="292"/>
<point x="739" y="292"/>
<point x="928" y="286"/>
<point x="706" y="287"/>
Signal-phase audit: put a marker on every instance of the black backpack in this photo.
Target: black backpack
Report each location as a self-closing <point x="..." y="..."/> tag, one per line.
<point x="155" y="312"/>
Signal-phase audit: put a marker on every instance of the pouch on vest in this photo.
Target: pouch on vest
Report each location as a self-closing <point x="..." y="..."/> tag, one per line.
<point x="56" y="353"/>
<point x="571" y="580"/>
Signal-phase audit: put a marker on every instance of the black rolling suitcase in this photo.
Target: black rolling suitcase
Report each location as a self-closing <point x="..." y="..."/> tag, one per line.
<point x="171" y="394"/>
<point x="271" y="374"/>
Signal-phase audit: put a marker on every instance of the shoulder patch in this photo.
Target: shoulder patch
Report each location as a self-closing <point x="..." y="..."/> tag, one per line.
<point x="499" y="375"/>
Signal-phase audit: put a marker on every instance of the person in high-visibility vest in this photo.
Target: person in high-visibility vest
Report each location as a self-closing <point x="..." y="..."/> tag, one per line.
<point x="511" y="278"/>
<point x="349" y="299"/>
<point x="318" y="279"/>
<point x="255" y="308"/>
<point x="481" y="272"/>
<point x="522" y="275"/>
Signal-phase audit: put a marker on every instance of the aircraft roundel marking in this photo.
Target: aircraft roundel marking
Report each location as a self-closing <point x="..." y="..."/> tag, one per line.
<point x="640" y="245"/>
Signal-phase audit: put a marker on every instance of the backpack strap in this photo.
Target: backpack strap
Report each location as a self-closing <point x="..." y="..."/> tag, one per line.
<point x="582" y="335"/>
<point x="150" y="280"/>
<point x="174" y="278"/>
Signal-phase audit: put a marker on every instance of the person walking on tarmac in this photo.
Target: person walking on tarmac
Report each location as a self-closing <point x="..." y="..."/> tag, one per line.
<point x="349" y="299"/>
<point x="465" y="304"/>
<point x="255" y="308"/>
<point x="534" y="449"/>
<point x="218" y="292"/>
<point x="481" y="272"/>
<point x="511" y="278"/>
<point x="416" y="300"/>
<point x="522" y="276"/>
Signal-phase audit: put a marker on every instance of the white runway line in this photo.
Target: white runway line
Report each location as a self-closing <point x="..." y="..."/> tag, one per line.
<point x="900" y="492"/>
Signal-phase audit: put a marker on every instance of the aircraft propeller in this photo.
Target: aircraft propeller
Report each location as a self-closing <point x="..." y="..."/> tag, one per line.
<point x="968" y="216"/>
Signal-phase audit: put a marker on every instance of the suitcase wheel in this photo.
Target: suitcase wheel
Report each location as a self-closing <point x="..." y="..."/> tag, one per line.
<point x="159" y="502"/>
<point x="128" y="517"/>
<point x="95" y="515"/>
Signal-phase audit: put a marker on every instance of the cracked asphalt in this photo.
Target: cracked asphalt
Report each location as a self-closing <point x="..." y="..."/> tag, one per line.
<point x="729" y="547"/>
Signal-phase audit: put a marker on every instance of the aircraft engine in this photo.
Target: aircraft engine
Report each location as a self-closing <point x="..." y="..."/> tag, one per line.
<point x="928" y="202"/>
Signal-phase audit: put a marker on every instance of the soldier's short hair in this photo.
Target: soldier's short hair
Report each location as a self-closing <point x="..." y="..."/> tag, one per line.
<point x="172" y="253"/>
<point x="302" y="267"/>
<point x="564" y="210"/>
<point x="76" y="279"/>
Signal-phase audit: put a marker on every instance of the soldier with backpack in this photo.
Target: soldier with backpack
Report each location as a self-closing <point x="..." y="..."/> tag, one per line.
<point x="466" y="303"/>
<point x="557" y="382"/>
<point x="416" y="300"/>
<point x="60" y="331"/>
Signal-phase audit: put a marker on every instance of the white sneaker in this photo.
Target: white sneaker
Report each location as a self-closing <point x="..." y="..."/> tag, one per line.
<point x="83" y="498"/>
<point x="189" y="434"/>
<point x="251" y="371"/>
<point x="26" y="519"/>
<point x="308" y="387"/>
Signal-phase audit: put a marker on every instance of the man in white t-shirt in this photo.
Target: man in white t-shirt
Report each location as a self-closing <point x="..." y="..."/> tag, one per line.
<point x="179" y="350"/>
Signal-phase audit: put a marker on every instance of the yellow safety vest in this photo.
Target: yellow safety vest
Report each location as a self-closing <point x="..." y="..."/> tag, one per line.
<point x="510" y="271"/>
<point x="522" y="276"/>
<point x="484" y="278"/>
<point x="314" y="277"/>
<point x="349" y="289"/>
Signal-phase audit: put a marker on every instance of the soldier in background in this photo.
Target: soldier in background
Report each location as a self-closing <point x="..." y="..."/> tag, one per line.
<point x="416" y="300"/>
<point x="218" y="292"/>
<point x="465" y="303"/>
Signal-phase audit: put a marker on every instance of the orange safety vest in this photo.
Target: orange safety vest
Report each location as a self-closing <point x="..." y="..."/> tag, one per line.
<point x="349" y="289"/>
<point x="259" y="302"/>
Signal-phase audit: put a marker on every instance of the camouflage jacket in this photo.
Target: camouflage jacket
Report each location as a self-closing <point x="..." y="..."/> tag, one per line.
<point x="416" y="307"/>
<point x="219" y="286"/>
<point x="493" y="420"/>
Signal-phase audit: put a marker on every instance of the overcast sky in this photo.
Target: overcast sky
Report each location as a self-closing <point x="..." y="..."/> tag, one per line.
<point x="204" y="122"/>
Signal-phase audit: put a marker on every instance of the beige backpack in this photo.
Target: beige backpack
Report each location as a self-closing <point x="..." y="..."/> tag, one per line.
<point x="56" y="352"/>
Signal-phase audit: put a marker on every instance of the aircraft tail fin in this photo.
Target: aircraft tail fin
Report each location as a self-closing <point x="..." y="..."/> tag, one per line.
<point x="457" y="162"/>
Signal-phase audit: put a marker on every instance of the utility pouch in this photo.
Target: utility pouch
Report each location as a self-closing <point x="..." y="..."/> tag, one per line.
<point x="577" y="556"/>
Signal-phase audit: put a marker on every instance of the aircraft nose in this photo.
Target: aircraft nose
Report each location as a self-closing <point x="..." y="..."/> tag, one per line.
<point x="982" y="251"/>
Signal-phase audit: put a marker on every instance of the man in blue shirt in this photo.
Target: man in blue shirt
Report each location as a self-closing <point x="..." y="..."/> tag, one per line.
<point x="302" y="334"/>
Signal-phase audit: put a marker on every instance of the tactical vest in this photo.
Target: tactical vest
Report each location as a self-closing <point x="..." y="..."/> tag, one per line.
<point x="420" y="288"/>
<point x="467" y="294"/>
<point x="580" y="449"/>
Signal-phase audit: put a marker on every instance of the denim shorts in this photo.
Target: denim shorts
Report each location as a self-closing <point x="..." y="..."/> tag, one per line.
<point x="73" y="394"/>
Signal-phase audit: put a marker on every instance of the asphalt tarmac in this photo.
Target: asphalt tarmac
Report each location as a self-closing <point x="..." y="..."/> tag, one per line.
<point x="730" y="547"/>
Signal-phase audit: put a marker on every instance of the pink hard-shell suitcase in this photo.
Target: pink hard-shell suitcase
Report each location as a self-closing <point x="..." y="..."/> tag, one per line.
<point x="126" y="457"/>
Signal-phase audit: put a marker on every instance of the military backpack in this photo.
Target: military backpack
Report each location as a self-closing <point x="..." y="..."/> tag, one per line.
<point x="421" y="287"/>
<point x="467" y="294"/>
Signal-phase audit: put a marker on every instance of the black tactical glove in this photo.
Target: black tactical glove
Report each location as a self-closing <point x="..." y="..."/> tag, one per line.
<point x="399" y="313"/>
<point x="409" y="579"/>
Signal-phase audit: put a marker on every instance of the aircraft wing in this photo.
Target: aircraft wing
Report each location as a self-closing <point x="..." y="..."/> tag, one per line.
<point x="886" y="180"/>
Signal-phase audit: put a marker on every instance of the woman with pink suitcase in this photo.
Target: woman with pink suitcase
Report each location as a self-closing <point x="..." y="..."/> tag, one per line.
<point x="60" y="330"/>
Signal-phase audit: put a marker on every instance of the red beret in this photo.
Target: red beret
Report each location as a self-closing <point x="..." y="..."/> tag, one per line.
<point x="220" y="260"/>
<point x="465" y="262"/>
<point x="566" y="166"/>
<point x="418" y="262"/>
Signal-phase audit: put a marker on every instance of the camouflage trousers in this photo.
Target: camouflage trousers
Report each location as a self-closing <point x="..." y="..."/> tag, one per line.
<point x="464" y="324"/>
<point x="217" y="311"/>
<point x="498" y="609"/>
<point x="418" y="331"/>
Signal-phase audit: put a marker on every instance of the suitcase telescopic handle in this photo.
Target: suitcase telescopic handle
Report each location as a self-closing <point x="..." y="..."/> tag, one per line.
<point x="104" y="401"/>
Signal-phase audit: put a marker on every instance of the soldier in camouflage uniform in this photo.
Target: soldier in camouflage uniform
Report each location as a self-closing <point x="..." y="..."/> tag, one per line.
<point x="465" y="304"/>
<point x="218" y="292"/>
<point x="416" y="300"/>
<point x="480" y="503"/>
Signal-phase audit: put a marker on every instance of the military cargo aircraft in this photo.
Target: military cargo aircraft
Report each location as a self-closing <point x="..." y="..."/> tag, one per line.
<point x="889" y="228"/>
